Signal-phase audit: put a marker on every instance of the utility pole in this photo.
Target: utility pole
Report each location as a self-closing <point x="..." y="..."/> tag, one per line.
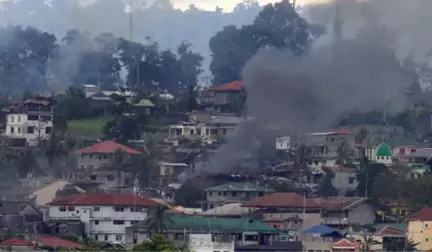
<point x="337" y="25"/>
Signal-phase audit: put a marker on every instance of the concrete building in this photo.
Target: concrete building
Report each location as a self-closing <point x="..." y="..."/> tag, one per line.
<point x="420" y="228"/>
<point x="344" y="180"/>
<point x="105" y="216"/>
<point x="283" y="143"/>
<point x="94" y="164"/>
<point x="30" y="121"/>
<point x="233" y="193"/>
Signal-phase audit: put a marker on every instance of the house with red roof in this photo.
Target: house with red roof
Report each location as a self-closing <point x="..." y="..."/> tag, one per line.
<point x="39" y="243"/>
<point x="420" y="228"/>
<point x="105" y="216"/>
<point x="94" y="165"/>
<point x="219" y="98"/>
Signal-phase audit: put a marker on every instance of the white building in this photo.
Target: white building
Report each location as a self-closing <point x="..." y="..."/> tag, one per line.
<point x="105" y="216"/>
<point x="30" y="120"/>
<point x="283" y="143"/>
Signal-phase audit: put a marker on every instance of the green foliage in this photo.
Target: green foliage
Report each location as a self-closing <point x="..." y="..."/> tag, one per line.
<point x="367" y="176"/>
<point x="326" y="187"/>
<point x="156" y="243"/>
<point x="67" y="191"/>
<point x="157" y="221"/>
<point x="278" y="25"/>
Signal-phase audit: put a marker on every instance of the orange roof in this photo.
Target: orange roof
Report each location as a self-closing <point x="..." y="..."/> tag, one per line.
<point x="232" y="86"/>
<point x="344" y="244"/>
<point x="16" y="242"/>
<point x="283" y="200"/>
<point x="424" y="214"/>
<point x="56" y="242"/>
<point x="106" y="147"/>
<point x="103" y="200"/>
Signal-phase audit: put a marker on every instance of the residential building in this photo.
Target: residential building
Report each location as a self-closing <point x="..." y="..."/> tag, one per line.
<point x="344" y="180"/>
<point x="417" y="159"/>
<point x="94" y="164"/>
<point x="420" y="228"/>
<point x="319" y="238"/>
<point x="325" y="144"/>
<point x="40" y="243"/>
<point x="30" y="121"/>
<point x="23" y="216"/>
<point x="170" y="172"/>
<point x="105" y="216"/>
<point x="220" y="98"/>
<point x="283" y="143"/>
<point x="242" y="231"/>
<point x="206" y="127"/>
<point x="147" y="106"/>
<point x="90" y="90"/>
<point x="405" y="150"/>
<point x="233" y="193"/>
<point x="331" y="211"/>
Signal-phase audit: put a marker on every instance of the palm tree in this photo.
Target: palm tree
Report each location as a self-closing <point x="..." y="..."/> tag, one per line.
<point x="157" y="219"/>
<point x="344" y="153"/>
<point x="368" y="242"/>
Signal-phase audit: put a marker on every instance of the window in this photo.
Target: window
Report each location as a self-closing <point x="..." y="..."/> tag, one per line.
<point x="71" y="209"/>
<point x="19" y="130"/>
<point x="134" y="222"/>
<point x="119" y="237"/>
<point x="110" y="178"/>
<point x="427" y="239"/>
<point x="96" y="222"/>
<point x="106" y="237"/>
<point x="207" y="132"/>
<point x="260" y="194"/>
<point x="220" y="193"/>
<point x="351" y="180"/>
<point x="426" y="225"/>
<point x="32" y="117"/>
<point x="224" y="131"/>
<point x="93" y="177"/>
<point x="234" y="194"/>
<point x="136" y="209"/>
<point x="62" y="209"/>
<point x="96" y="209"/>
<point x="12" y="119"/>
<point x="46" y="118"/>
<point x="30" y="130"/>
<point x="119" y="209"/>
<point x="118" y="222"/>
<point x="210" y="193"/>
<point x="12" y="129"/>
<point x="19" y="119"/>
<point x="96" y="237"/>
<point x="48" y="130"/>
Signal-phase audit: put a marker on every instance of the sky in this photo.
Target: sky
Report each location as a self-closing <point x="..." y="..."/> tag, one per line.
<point x="227" y="5"/>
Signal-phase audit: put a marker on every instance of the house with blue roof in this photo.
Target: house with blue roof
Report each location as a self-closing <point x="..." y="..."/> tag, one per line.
<point x="320" y="238"/>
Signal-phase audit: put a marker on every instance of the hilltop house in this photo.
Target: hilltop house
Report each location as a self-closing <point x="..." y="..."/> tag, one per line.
<point x="220" y="98"/>
<point x="233" y="193"/>
<point x="94" y="164"/>
<point x="105" y="216"/>
<point x="30" y="121"/>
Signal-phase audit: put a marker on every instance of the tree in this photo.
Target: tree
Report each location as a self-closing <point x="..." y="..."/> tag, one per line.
<point x="301" y="167"/>
<point x="366" y="178"/>
<point x="157" y="221"/>
<point x="156" y="243"/>
<point x="368" y="241"/>
<point x="326" y="187"/>
<point x="118" y="163"/>
<point x="277" y="25"/>
<point x="344" y="154"/>
<point x="67" y="191"/>
<point x="24" y="57"/>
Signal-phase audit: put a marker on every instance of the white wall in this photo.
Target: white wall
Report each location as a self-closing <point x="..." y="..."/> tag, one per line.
<point x="93" y="161"/>
<point x="101" y="220"/>
<point x="283" y="143"/>
<point x="18" y="126"/>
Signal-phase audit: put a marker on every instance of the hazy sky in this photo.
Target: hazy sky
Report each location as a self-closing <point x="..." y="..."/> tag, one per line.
<point x="226" y="4"/>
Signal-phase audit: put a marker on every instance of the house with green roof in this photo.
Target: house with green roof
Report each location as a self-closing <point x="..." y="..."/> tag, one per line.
<point x="145" y="105"/>
<point x="179" y="228"/>
<point x="233" y="193"/>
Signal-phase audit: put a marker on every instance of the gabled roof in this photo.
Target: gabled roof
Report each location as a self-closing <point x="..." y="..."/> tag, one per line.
<point x="320" y="229"/>
<point x="195" y="223"/>
<point x="246" y="187"/>
<point x="424" y="214"/>
<point x="391" y="231"/>
<point x="16" y="242"/>
<point x="232" y="86"/>
<point x="344" y="244"/>
<point x="283" y="200"/>
<point x="103" y="200"/>
<point x="145" y="103"/>
<point x="106" y="147"/>
<point x="56" y="242"/>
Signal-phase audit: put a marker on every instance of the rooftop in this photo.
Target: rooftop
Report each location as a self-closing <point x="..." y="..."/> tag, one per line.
<point x="213" y="223"/>
<point x="103" y="200"/>
<point x="384" y="150"/>
<point x="424" y="214"/>
<point x="246" y="187"/>
<point x="106" y="147"/>
<point x="232" y="86"/>
<point x="146" y="103"/>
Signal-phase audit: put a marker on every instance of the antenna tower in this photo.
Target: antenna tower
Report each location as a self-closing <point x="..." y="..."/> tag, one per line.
<point x="337" y="26"/>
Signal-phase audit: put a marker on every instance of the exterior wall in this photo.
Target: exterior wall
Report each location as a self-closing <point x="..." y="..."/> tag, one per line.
<point x="93" y="161"/>
<point x="283" y="143"/>
<point x="219" y="198"/>
<point x="203" y="131"/>
<point x="421" y="232"/>
<point x="313" y="242"/>
<point x="101" y="222"/>
<point x="345" y="181"/>
<point x="362" y="214"/>
<point x="106" y="178"/>
<point x="19" y="126"/>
